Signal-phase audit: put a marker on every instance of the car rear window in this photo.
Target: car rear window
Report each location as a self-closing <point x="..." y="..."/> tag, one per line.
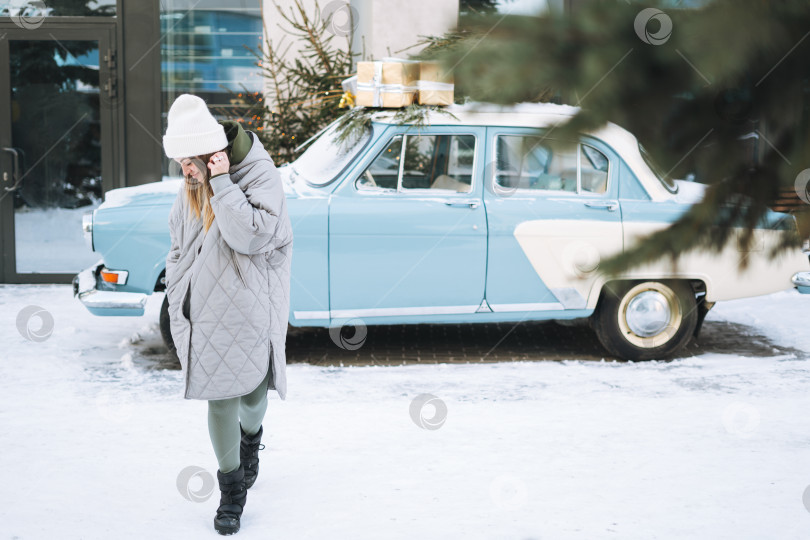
<point x="665" y="180"/>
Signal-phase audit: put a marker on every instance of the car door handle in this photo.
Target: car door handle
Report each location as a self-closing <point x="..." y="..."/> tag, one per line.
<point x="462" y="204"/>
<point x="610" y="206"/>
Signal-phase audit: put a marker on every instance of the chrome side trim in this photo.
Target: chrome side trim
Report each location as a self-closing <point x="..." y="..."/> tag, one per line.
<point x="426" y="310"/>
<point x="538" y="306"/>
<point x="389" y="312"/>
<point x="311" y="314"/>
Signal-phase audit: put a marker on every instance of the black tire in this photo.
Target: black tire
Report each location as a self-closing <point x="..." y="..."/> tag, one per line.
<point x="617" y="334"/>
<point x="165" y="326"/>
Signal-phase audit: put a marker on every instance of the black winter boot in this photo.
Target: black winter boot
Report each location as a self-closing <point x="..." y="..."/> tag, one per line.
<point x="249" y="454"/>
<point x="231" y="501"/>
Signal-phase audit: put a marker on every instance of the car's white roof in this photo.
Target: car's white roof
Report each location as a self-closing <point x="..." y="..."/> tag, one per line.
<point x="542" y="115"/>
<point x="490" y="114"/>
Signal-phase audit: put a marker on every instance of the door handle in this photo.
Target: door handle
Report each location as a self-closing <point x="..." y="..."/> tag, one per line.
<point x="15" y="168"/>
<point x="610" y="206"/>
<point x="462" y="204"/>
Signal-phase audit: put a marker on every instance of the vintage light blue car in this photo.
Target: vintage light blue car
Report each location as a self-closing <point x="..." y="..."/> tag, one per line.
<point x="472" y="218"/>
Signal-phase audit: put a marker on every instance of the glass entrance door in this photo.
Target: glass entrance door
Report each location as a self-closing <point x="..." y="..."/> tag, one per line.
<point x="56" y="108"/>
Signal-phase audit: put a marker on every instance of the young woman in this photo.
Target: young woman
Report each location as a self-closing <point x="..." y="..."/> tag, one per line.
<point x="228" y="283"/>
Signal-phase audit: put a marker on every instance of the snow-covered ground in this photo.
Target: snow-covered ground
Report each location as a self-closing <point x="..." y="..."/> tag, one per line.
<point x="96" y="439"/>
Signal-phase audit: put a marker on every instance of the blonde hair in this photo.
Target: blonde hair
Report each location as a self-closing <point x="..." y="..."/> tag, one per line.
<point x="199" y="196"/>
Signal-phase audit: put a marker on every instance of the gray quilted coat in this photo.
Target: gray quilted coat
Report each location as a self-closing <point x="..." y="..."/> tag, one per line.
<point x="229" y="288"/>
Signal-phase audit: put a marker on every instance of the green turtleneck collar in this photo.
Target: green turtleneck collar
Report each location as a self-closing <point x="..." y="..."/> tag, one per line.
<point x="239" y="142"/>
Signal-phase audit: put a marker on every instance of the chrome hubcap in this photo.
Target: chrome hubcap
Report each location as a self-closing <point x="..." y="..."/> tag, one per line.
<point x="648" y="313"/>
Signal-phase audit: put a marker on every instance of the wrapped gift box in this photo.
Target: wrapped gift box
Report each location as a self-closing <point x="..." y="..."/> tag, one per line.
<point x="434" y="87"/>
<point x="386" y="83"/>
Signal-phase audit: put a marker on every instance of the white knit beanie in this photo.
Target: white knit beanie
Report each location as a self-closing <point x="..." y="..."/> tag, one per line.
<point x="192" y="130"/>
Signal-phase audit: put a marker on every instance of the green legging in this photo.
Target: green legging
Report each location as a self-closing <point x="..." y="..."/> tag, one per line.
<point x="224" y="416"/>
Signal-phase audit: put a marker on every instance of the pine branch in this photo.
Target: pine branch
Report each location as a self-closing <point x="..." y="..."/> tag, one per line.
<point x="733" y="70"/>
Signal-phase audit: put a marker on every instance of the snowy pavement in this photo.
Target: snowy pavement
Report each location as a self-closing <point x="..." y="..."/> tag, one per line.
<point x="95" y="436"/>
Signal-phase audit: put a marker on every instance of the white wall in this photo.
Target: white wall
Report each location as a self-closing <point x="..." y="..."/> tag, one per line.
<point x="380" y="27"/>
<point x="388" y="26"/>
<point x="277" y="29"/>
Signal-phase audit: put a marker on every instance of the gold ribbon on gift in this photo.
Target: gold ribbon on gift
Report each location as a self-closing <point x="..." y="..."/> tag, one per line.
<point x="346" y="100"/>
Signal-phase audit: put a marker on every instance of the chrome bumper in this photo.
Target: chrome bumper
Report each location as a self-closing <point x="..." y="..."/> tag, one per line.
<point x="100" y="302"/>
<point x="801" y="280"/>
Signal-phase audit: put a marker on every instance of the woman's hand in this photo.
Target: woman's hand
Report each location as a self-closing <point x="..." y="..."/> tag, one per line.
<point x="219" y="164"/>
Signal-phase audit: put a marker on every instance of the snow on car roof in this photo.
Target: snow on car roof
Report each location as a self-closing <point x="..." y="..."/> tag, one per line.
<point x="478" y="113"/>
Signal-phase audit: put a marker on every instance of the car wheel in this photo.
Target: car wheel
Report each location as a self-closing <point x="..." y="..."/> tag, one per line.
<point x="165" y="325"/>
<point x="645" y="320"/>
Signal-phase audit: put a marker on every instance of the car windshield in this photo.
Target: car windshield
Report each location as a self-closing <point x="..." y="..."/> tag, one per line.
<point x="326" y="157"/>
<point x="665" y="180"/>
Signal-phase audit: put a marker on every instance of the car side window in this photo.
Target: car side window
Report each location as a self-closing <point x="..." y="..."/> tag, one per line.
<point x="593" y="167"/>
<point x="533" y="163"/>
<point x="439" y="162"/>
<point x="383" y="172"/>
<point x="428" y="162"/>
